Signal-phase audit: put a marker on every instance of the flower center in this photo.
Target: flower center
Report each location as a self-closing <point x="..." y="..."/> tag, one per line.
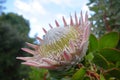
<point x="57" y="39"/>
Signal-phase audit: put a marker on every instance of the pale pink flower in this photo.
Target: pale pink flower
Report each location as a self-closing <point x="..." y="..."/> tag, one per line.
<point x="61" y="47"/>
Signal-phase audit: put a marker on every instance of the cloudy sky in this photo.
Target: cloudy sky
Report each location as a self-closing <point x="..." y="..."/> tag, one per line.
<point x="40" y="13"/>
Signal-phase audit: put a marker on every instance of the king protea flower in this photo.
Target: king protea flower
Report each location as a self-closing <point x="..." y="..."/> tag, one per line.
<point x="61" y="47"/>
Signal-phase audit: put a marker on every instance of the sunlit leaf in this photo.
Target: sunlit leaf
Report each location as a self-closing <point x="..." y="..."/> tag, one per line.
<point x="118" y="64"/>
<point x="79" y="75"/>
<point x="109" y="40"/>
<point x="89" y="56"/>
<point x="112" y="55"/>
<point x="37" y="74"/>
<point x="102" y="77"/>
<point x="93" y="43"/>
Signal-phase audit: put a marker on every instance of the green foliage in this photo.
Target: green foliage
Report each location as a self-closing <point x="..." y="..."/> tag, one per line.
<point x="93" y="44"/>
<point x="108" y="52"/>
<point x="37" y="74"/>
<point x="107" y="40"/>
<point x="105" y="17"/>
<point x="89" y="57"/>
<point x="12" y="37"/>
<point x="102" y="77"/>
<point x="106" y="57"/>
<point x="79" y="75"/>
<point x="17" y="23"/>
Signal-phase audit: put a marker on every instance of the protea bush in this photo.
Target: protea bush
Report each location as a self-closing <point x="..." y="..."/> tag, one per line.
<point x="65" y="54"/>
<point x="61" y="47"/>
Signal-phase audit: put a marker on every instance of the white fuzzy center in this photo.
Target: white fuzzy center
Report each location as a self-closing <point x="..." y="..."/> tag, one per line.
<point x="55" y="34"/>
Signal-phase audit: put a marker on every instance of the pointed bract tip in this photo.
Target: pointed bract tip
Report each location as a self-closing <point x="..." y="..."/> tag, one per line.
<point x="50" y="26"/>
<point x="64" y="21"/>
<point x="45" y="31"/>
<point x="71" y="21"/>
<point x="57" y="24"/>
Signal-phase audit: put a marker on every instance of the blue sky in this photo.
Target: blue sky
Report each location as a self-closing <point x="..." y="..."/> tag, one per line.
<point x="42" y="12"/>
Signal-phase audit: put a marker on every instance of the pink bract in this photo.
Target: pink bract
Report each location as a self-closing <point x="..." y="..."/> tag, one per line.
<point x="61" y="47"/>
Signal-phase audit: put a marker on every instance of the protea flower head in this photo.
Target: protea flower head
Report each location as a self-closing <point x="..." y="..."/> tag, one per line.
<point x="61" y="47"/>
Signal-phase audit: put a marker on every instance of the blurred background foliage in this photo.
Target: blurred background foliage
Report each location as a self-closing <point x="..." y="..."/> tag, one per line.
<point x="13" y="34"/>
<point x="102" y="61"/>
<point x="105" y="17"/>
<point x="14" y="30"/>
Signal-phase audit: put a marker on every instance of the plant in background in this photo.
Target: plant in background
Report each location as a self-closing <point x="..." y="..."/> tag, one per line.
<point x="105" y="17"/>
<point x="14" y="30"/>
<point x="106" y="55"/>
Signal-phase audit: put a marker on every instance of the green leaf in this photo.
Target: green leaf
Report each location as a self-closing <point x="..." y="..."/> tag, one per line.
<point x="100" y="61"/>
<point x="79" y="75"/>
<point x="118" y="64"/>
<point x="102" y="77"/>
<point x="109" y="40"/>
<point x="112" y="55"/>
<point x="93" y="43"/>
<point x="89" y="57"/>
<point x="115" y="73"/>
<point x="59" y="74"/>
<point x="37" y="74"/>
<point x="87" y="78"/>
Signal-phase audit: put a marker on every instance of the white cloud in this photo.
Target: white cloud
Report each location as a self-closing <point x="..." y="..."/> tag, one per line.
<point x="59" y="2"/>
<point x="22" y="6"/>
<point x="65" y="3"/>
<point x="31" y="7"/>
<point x="38" y="8"/>
<point x="42" y="12"/>
<point x="31" y="10"/>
